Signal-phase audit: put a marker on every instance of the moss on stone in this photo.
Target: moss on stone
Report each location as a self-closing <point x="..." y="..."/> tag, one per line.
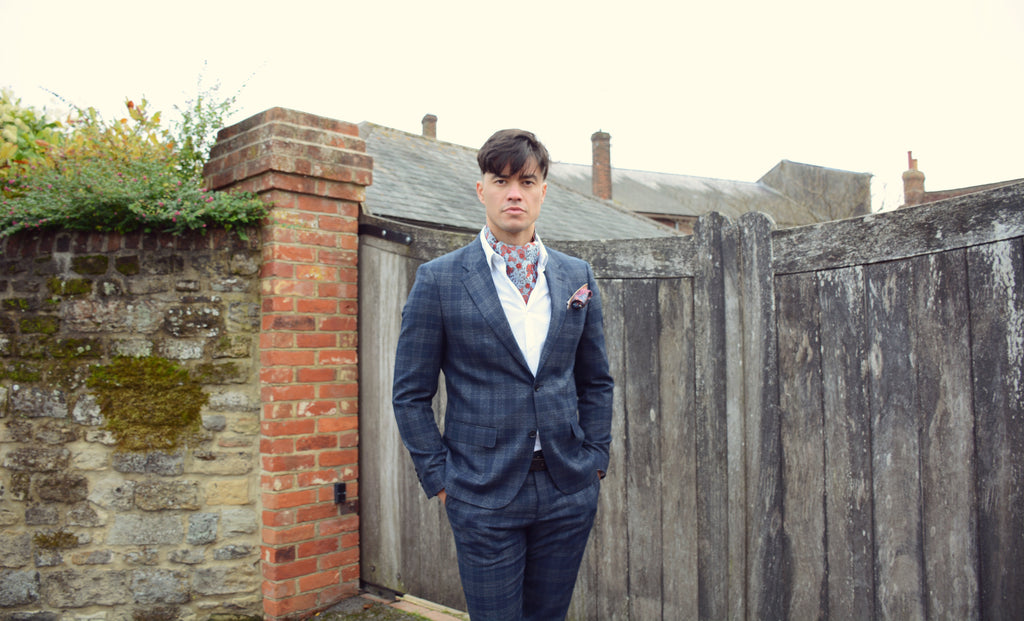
<point x="40" y="324"/>
<point x="57" y="540"/>
<point x="214" y="373"/>
<point x="149" y="403"/>
<point x="75" y="348"/>
<point x="21" y="372"/>
<point x="66" y="374"/>
<point x="129" y="266"/>
<point x="17" y="304"/>
<point x="91" y="264"/>
<point x="71" y="287"/>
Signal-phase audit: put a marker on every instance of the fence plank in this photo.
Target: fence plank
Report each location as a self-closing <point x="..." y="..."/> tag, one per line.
<point x="382" y="282"/>
<point x="942" y="355"/>
<point x="661" y="257"/>
<point x="643" y="450"/>
<point x="847" y="428"/>
<point x="803" y="445"/>
<point x="996" y="277"/>
<point x="766" y="584"/>
<point x="710" y="347"/>
<point x="955" y="223"/>
<point x="897" y="495"/>
<point x="678" y="450"/>
<point x="602" y="591"/>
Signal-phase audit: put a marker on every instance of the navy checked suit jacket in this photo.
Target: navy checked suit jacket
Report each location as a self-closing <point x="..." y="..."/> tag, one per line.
<point x="453" y="322"/>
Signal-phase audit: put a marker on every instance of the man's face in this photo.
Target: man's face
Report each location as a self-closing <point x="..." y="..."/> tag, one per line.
<point x="513" y="203"/>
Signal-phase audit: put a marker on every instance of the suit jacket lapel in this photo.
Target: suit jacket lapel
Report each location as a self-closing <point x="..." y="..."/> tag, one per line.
<point x="478" y="281"/>
<point x="559" y="290"/>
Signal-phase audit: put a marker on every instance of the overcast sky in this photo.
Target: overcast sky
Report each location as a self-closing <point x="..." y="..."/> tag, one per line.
<point x="720" y="89"/>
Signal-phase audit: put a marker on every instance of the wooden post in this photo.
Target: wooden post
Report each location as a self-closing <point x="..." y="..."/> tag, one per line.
<point x="767" y="584"/>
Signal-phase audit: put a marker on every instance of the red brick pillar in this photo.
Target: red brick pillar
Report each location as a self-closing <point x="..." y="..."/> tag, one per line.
<point x="314" y="171"/>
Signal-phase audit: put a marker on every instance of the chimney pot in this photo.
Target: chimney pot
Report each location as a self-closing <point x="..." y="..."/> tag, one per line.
<point x="430" y="126"/>
<point x="601" y="174"/>
<point x="913" y="183"/>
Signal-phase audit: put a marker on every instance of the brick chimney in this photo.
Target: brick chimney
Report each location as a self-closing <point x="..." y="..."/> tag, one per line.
<point x="913" y="182"/>
<point x="601" y="174"/>
<point x="430" y="126"/>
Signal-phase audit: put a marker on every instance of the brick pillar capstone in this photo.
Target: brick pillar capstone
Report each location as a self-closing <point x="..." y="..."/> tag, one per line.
<point x="314" y="172"/>
<point x="601" y="174"/>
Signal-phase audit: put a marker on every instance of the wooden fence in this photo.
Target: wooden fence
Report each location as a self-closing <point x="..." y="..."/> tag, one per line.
<point x="819" y="422"/>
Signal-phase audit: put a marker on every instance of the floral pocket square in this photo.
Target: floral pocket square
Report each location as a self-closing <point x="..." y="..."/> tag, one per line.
<point x="580" y="298"/>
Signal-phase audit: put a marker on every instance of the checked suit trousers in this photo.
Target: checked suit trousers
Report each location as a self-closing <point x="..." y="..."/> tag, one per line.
<point x="519" y="562"/>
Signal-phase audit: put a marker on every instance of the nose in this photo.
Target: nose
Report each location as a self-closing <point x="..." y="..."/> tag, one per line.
<point x="514" y="193"/>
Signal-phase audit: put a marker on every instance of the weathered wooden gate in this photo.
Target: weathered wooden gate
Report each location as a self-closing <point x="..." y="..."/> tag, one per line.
<point x="820" y="422"/>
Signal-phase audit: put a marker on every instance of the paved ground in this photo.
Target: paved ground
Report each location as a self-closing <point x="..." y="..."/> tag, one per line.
<point x="368" y="607"/>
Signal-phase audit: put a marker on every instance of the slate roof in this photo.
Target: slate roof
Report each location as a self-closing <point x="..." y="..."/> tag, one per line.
<point x="432" y="183"/>
<point x="683" y="195"/>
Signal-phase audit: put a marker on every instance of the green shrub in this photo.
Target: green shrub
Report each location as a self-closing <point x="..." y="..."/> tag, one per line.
<point x="121" y="176"/>
<point x="26" y="135"/>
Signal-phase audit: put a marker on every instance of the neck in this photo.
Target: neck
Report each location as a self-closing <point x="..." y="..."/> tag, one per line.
<point x="512" y="239"/>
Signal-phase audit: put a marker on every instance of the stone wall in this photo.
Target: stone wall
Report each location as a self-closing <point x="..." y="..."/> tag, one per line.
<point x="91" y="532"/>
<point x="246" y="520"/>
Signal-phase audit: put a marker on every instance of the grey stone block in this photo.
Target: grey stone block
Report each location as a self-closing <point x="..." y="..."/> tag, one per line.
<point x="233" y="552"/>
<point x="86" y="411"/>
<point x="202" y="528"/>
<point x="33" y="402"/>
<point x="15" y="550"/>
<point x="188" y="556"/>
<point x="113" y="493"/>
<point x="63" y="488"/>
<point x="41" y="515"/>
<point x="159" y="586"/>
<point x="37" y="459"/>
<point x="164" y="495"/>
<point x="130" y="529"/>
<point x="225" y="580"/>
<point x="18" y="588"/>
<point x="80" y="588"/>
<point x="238" y="522"/>
<point x="153" y="462"/>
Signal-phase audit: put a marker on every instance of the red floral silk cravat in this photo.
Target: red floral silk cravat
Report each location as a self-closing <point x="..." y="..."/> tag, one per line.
<point x="520" y="262"/>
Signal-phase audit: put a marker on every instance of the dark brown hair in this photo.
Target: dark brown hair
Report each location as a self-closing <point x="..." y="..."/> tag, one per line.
<point x="512" y="149"/>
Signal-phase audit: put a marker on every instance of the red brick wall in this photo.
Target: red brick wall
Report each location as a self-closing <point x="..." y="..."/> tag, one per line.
<point x="314" y="171"/>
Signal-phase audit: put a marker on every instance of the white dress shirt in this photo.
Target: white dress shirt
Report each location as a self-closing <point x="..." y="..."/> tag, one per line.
<point x="529" y="320"/>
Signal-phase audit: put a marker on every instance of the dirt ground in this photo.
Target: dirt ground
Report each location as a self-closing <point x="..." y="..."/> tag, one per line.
<point x="371" y="608"/>
<point x="362" y="609"/>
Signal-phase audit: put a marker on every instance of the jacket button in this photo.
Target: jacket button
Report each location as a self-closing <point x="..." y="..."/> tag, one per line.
<point x="537" y="387"/>
<point x="533" y="434"/>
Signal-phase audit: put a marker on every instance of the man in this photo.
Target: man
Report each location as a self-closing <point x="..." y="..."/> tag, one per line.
<point x="516" y="328"/>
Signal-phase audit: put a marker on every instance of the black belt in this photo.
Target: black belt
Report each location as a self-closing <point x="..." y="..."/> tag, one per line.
<point x="538" y="462"/>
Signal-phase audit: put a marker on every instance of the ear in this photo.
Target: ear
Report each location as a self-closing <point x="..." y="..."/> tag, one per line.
<point x="480" y="190"/>
<point x="543" y="191"/>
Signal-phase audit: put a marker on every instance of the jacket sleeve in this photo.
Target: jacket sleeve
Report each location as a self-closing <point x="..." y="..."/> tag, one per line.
<point x="594" y="383"/>
<point x="421" y="345"/>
